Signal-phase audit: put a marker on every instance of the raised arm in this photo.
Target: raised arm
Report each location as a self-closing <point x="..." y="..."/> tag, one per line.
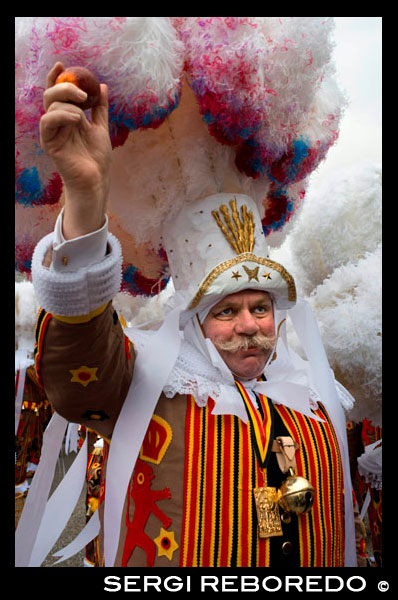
<point x="83" y="359"/>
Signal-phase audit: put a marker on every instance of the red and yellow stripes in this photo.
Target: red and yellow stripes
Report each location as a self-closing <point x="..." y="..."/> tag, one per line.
<point x="262" y="428"/>
<point x="320" y="530"/>
<point x="219" y="523"/>
<point x="42" y="321"/>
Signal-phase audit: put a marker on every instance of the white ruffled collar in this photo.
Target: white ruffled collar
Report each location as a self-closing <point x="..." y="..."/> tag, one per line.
<point x="200" y="371"/>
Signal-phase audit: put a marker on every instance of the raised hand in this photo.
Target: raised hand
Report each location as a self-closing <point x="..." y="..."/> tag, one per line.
<point x="81" y="151"/>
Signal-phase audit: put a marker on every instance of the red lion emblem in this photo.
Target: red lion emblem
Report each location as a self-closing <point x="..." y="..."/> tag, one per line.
<point x="144" y="504"/>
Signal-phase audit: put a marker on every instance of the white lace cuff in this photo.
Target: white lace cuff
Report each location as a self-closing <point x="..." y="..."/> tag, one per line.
<point x="78" y="292"/>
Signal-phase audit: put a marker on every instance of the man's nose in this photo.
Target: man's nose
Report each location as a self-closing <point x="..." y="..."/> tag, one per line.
<point x="246" y="324"/>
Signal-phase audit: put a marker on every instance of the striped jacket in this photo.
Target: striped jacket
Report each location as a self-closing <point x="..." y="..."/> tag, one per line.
<point x="190" y="499"/>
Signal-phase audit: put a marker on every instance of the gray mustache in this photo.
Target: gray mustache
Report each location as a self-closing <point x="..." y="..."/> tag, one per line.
<point x="244" y="342"/>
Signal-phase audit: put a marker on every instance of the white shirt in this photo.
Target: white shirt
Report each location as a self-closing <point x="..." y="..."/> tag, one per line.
<point x="71" y="255"/>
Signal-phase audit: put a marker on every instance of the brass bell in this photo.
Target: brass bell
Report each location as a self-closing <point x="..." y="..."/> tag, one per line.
<point x="296" y="494"/>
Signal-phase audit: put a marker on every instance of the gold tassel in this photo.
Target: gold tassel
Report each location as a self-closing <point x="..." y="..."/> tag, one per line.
<point x="240" y="232"/>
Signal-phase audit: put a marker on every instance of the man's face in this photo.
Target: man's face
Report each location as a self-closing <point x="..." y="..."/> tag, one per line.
<point x="242" y="328"/>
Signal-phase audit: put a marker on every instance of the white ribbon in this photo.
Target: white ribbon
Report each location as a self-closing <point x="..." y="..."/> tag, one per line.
<point x="365" y="505"/>
<point x="36" y="499"/>
<point x="370" y="464"/>
<point x="72" y="438"/>
<point x="59" y="508"/>
<point x="90" y="531"/>
<point x="152" y="367"/>
<point x="19" y="397"/>
<point x="290" y="394"/>
<point x="22" y="362"/>
<point x="23" y="359"/>
<point x="306" y="327"/>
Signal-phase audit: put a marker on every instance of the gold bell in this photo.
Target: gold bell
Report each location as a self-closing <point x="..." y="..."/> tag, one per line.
<point x="296" y="494"/>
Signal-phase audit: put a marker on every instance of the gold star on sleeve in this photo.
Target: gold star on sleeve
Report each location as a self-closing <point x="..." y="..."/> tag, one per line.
<point x="84" y="375"/>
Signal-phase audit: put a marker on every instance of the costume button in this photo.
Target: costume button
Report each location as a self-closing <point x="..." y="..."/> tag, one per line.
<point x="287" y="548"/>
<point x="65" y="260"/>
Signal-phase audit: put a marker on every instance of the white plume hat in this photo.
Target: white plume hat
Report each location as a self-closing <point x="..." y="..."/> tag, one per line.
<point x="216" y="246"/>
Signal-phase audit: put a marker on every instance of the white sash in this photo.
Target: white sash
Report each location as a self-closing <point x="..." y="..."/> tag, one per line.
<point x="36" y="499"/>
<point x="90" y="531"/>
<point x="59" y="508"/>
<point x="152" y="367"/>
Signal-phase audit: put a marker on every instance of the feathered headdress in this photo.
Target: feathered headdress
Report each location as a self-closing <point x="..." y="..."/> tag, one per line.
<point x="335" y="255"/>
<point x="197" y="106"/>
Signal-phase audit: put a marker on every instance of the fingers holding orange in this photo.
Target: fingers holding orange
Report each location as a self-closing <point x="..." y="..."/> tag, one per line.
<point x="64" y="92"/>
<point x="69" y="93"/>
<point x="76" y="85"/>
<point x="85" y="80"/>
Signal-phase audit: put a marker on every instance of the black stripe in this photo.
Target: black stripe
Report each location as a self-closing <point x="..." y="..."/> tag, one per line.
<point x="335" y="537"/>
<point x="303" y="449"/>
<point x="262" y="463"/>
<point x="202" y="480"/>
<point x="307" y="459"/>
<point x="235" y="491"/>
<point x="272" y="431"/>
<point x="218" y="442"/>
<point x="318" y="467"/>
<point x="254" y="541"/>
<point x="260" y="407"/>
<point x="275" y="478"/>
<point x="39" y="320"/>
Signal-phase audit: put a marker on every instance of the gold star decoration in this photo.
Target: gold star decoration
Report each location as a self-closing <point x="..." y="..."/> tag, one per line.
<point x="251" y="273"/>
<point x="166" y="543"/>
<point x="267" y="276"/>
<point x="84" y="375"/>
<point x="235" y="275"/>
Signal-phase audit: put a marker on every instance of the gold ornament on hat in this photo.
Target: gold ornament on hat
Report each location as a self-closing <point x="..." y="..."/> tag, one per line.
<point x="235" y="275"/>
<point x="239" y="230"/>
<point x="251" y="273"/>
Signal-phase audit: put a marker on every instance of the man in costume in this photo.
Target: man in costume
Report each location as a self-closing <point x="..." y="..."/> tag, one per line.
<point x="222" y="447"/>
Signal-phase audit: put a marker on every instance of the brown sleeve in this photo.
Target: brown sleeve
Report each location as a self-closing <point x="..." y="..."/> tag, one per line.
<point x="85" y="368"/>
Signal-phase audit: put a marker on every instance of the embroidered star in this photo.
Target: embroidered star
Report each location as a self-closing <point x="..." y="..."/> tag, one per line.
<point x="251" y="273"/>
<point x="267" y="276"/>
<point x="84" y="375"/>
<point x="235" y="275"/>
<point x="166" y="543"/>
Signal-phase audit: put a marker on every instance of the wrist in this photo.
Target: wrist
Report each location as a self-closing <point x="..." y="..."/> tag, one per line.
<point x="84" y="211"/>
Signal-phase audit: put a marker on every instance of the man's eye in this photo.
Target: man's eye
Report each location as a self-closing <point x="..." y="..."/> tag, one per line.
<point x="260" y="309"/>
<point x="226" y="312"/>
